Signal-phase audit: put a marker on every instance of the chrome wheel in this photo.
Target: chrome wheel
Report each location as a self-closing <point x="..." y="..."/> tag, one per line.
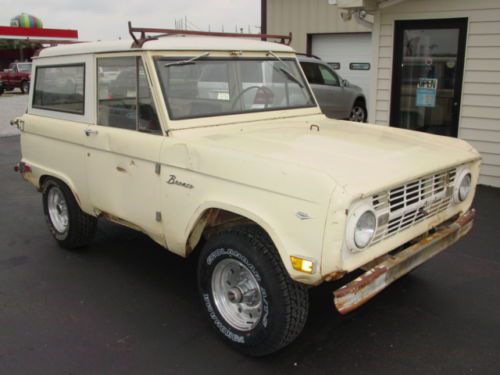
<point x="237" y="294"/>
<point x="58" y="209"/>
<point x="358" y="114"/>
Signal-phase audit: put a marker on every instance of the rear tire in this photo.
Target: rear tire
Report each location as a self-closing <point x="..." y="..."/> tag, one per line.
<point x="25" y="87"/>
<point x="358" y="112"/>
<point x="70" y="226"/>
<point x="247" y="293"/>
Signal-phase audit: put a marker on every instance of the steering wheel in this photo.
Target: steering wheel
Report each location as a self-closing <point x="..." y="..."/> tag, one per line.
<point x="243" y="92"/>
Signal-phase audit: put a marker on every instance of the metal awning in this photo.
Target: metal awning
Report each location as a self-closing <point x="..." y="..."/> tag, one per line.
<point x="366" y="5"/>
<point x="38" y="35"/>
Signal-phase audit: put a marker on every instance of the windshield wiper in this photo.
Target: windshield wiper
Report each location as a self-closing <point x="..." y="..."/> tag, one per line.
<point x="284" y="69"/>
<point x="188" y="61"/>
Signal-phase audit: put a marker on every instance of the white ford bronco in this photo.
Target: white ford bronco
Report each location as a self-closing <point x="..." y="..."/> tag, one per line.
<point x="216" y="146"/>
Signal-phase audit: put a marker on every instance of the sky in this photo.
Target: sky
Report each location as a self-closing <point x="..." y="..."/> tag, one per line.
<point x="107" y="19"/>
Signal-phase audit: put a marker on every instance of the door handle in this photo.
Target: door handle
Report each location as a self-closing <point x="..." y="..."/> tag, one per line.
<point x="88" y="132"/>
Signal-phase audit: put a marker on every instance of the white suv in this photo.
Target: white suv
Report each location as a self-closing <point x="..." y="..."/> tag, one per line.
<point x="216" y="146"/>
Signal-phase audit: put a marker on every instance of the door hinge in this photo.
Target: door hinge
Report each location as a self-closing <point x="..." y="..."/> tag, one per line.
<point x="157" y="168"/>
<point x="158" y="216"/>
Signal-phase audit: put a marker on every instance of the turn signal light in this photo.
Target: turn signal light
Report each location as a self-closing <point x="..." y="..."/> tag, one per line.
<point x="302" y="265"/>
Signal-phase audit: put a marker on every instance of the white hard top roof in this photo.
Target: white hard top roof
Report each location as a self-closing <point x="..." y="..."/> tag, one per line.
<point x="168" y="43"/>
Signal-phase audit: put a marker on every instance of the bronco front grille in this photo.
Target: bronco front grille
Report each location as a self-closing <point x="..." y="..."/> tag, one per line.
<point x="401" y="207"/>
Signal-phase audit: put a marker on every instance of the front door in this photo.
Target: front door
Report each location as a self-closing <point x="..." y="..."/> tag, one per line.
<point x="427" y="73"/>
<point x="124" y="146"/>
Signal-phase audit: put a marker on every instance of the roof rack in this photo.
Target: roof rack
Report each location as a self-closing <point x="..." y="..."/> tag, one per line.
<point x="143" y="38"/>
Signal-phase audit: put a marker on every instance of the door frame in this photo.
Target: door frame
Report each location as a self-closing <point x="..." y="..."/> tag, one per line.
<point x="439" y="23"/>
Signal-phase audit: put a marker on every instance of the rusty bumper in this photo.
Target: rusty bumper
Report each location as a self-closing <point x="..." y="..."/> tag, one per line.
<point x="388" y="268"/>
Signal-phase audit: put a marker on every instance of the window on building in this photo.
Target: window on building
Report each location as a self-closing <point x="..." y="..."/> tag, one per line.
<point x="124" y="95"/>
<point x="359" y="66"/>
<point x="60" y="88"/>
<point x="334" y="65"/>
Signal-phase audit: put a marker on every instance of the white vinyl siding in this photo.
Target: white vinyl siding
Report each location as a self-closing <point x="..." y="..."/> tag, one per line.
<point x="479" y="121"/>
<point x="302" y="17"/>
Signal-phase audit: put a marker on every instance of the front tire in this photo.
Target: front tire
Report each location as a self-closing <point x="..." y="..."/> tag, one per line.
<point x="247" y="293"/>
<point x="70" y="226"/>
<point x="358" y="112"/>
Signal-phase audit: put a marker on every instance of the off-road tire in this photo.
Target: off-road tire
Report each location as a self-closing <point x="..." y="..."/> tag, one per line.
<point x="81" y="227"/>
<point x="25" y="87"/>
<point x="285" y="302"/>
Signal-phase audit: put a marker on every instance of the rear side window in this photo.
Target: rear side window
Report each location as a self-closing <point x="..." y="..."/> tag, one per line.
<point x="312" y="73"/>
<point x="60" y="88"/>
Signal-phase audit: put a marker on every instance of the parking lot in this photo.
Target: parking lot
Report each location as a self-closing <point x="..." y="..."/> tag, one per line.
<point x="125" y="305"/>
<point x="12" y="104"/>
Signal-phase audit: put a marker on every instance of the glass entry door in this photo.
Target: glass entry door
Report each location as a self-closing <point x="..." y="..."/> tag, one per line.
<point x="427" y="75"/>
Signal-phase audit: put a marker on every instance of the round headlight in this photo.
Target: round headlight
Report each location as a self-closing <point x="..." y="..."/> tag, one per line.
<point x="361" y="226"/>
<point x="463" y="186"/>
<point x="365" y="229"/>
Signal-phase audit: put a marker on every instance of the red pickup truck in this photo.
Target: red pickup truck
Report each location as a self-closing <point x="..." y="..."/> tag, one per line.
<point x="18" y="75"/>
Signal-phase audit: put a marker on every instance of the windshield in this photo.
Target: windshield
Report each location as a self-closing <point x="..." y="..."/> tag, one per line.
<point x="24" y="67"/>
<point x="222" y="86"/>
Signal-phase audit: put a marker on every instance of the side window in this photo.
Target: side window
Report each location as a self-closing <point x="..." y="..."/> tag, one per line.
<point x="313" y="75"/>
<point x="123" y="95"/>
<point x="60" y="88"/>
<point x="329" y="78"/>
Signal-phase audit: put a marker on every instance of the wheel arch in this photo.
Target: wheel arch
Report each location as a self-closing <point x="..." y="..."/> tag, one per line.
<point x="359" y="98"/>
<point x="65" y="180"/>
<point x="214" y="217"/>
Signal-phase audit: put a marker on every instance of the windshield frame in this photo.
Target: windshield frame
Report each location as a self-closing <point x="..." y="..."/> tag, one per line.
<point x="158" y="60"/>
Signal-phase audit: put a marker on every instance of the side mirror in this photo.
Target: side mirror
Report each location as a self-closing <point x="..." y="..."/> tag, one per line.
<point x="345" y="83"/>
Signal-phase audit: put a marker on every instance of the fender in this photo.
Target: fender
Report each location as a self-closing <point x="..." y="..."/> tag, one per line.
<point x="199" y="219"/>
<point x="39" y="173"/>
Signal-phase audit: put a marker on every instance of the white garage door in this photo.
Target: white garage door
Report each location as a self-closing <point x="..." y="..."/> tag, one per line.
<point x="349" y="54"/>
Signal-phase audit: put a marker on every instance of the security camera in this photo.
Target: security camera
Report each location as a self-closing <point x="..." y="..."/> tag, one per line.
<point x="346" y="16"/>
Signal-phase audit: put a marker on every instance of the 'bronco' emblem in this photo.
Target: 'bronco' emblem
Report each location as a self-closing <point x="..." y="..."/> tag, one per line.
<point x="173" y="181"/>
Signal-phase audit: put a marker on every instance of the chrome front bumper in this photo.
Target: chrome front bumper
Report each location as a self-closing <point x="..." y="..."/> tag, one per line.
<point x="385" y="270"/>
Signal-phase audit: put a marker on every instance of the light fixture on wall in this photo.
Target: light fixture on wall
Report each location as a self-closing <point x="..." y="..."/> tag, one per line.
<point x="346" y="15"/>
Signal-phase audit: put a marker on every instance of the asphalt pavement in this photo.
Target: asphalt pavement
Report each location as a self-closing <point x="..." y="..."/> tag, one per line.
<point x="12" y="104"/>
<point x="127" y="306"/>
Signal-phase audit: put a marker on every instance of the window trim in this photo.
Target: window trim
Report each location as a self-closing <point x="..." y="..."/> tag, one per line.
<point x="158" y="58"/>
<point x="83" y="64"/>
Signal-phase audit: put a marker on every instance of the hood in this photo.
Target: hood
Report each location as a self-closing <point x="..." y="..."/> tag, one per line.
<point x="361" y="158"/>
